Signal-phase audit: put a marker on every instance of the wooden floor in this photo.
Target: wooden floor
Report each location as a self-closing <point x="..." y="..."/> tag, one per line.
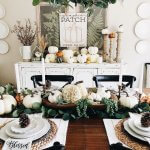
<point x="87" y="134"/>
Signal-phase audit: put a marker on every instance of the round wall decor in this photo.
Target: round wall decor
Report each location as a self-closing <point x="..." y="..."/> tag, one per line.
<point x="144" y="10"/>
<point x="3" y="47"/>
<point x="142" y="29"/>
<point x="2" y="11"/>
<point x="143" y="47"/>
<point x="4" y="30"/>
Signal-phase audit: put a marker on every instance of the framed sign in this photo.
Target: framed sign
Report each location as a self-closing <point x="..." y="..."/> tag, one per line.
<point x="73" y="29"/>
<point x="48" y="22"/>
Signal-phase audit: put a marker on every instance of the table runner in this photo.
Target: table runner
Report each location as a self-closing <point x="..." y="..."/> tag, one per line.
<point x="61" y="133"/>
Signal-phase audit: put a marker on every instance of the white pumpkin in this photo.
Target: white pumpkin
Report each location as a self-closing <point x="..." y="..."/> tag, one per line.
<point x="54" y="96"/>
<point x="94" y="96"/>
<point x="99" y="60"/>
<point x="29" y="100"/>
<point x="83" y="89"/>
<point x="50" y="58"/>
<point x="102" y="93"/>
<point x="128" y="101"/>
<point x="53" y="49"/>
<point x="93" y="50"/>
<point x="84" y="51"/>
<point x="70" y="60"/>
<point x="93" y="58"/>
<point x="67" y="54"/>
<point x="6" y="104"/>
<point x="71" y="93"/>
<point x="82" y="58"/>
<point x="75" y="60"/>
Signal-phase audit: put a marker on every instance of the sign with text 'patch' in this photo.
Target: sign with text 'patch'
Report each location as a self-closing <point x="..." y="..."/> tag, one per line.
<point x="73" y="29"/>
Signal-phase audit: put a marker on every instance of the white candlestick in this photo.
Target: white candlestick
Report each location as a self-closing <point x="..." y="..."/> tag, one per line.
<point x="43" y="72"/>
<point x="121" y="73"/>
<point x="17" y="78"/>
<point x="141" y="80"/>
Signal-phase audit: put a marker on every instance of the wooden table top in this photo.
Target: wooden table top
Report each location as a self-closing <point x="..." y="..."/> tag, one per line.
<point x="87" y="134"/>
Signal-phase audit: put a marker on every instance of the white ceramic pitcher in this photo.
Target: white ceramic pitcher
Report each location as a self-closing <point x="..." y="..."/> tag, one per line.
<point x="26" y="53"/>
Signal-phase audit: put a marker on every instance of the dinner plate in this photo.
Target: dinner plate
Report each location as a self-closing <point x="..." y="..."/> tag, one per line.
<point x="142" y="29"/>
<point x="15" y="127"/>
<point x="131" y="132"/>
<point x="3" y="47"/>
<point x="4" y="30"/>
<point x="136" y="130"/>
<point x="44" y="127"/>
<point x="2" y="11"/>
<point x="144" y="10"/>
<point x="137" y="124"/>
<point x="143" y="47"/>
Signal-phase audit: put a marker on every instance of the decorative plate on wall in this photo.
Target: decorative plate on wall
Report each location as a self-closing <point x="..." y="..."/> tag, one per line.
<point x="3" y="47"/>
<point x="144" y="10"/>
<point x="143" y="47"/>
<point x="2" y="11"/>
<point x="4" y="30"/>
<point x="142" y="29"/>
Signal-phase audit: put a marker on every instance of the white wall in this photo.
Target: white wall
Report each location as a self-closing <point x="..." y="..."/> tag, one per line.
<point x="117" y="14"/>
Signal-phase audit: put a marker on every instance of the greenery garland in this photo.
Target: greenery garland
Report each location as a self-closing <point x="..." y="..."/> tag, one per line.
<point x="84" y="3"/>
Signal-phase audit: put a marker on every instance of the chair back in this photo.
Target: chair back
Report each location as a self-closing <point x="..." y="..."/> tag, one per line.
<point x="114" y="78"/>
<point x="37" y="79"/>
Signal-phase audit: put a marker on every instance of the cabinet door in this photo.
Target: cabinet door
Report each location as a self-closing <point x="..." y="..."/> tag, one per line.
<point x="85" y="75"/>
<point x="26" y="74"/>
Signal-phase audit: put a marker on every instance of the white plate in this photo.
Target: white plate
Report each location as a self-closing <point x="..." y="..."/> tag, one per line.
<point x="35" y="136"/>
<point x="2" y="11"/>
<point x="4" y="30"/>
<point x="144" y="10"/>
<point x="142" y="29"/>
<point x="15" y="127"/>
<point x="143" y="47"/>
<point x="136" y="130"/>
<point x="137" y="124"/>
<point x="3" y="47"/>
<point x="131" y="132"/>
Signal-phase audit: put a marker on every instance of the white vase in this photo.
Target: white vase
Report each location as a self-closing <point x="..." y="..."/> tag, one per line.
<point x="26" y="53"/>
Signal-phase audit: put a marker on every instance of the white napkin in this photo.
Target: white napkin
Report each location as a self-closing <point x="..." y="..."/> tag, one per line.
<point x="16" y="144"/>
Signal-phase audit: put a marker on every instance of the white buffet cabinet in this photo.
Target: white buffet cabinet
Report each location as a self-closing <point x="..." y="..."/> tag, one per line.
<point x="83" y="72"/>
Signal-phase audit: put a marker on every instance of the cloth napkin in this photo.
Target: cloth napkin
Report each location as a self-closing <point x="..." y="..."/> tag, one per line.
<point x="60" y="135"/>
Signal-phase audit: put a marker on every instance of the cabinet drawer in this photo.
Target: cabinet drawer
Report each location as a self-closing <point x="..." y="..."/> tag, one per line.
<point x="108" y="71"/>
<point x="58" y="71"/>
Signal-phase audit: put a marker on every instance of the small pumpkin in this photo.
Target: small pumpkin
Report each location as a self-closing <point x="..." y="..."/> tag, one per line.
<point x="59" y="54"/>
<point x="71" y="93"/>
<point x="84" y="51"/>
<point x="50" y="58"/>
<point x="99" y="59"/>
<point x="102" y="93"/>
<point x="93" y="58"/>
<point x="93" y="50"/>
<point x="145" y="98"/>
<point x="67" y="54"/>
<point x="6" y="103"/>
<point x="83" y="89"/>
<point x="82" y="58"/>
<point x="112" y="35"/>
<point x="54" y="96"/>
<point x="128" y="101"/>
<point x="53" y="49"/>
<point x="29" y="100"/>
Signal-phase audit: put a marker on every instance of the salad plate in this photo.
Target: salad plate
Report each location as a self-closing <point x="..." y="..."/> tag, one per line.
<point x="3" y="47"/>
<point x="15" y="127"/>
<point x="4" y="30"/>
<point x="136" y="130"/>
<point x="2" y="11"/>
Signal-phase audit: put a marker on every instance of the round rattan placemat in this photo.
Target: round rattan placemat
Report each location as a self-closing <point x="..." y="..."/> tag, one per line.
<point x="38" y="144"/>
<point x="128" y="140"/>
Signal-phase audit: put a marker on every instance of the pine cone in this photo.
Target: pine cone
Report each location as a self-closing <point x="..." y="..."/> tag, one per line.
<point x="24" y="120"/>
<point x="145" y="120"/>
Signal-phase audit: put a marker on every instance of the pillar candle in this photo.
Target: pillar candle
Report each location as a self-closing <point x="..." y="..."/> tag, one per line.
<point x="17" y="78"/>
<point x="141" y="80"/>
<point x="43" y="72"/>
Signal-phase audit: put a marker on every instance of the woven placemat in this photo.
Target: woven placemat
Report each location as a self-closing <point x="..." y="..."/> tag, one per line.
<point x="128" y="140"/>
<point x="38" y="144"/>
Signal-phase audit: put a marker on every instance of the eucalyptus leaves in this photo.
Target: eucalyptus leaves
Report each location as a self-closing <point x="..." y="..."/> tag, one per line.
<point x="84" y="3"/>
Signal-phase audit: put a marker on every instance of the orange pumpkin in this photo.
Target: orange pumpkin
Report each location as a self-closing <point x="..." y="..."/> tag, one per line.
<point x="59" y="54"/>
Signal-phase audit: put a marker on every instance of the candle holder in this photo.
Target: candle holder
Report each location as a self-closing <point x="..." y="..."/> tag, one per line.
<point x="19" y="98"/>
<point x="121" y="89"/>
<point x="105" y="47"/>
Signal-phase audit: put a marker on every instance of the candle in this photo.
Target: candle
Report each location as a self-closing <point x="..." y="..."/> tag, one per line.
<point x="121" y="29"/>
<point x="43" y="72"/>
<point x="141" y="80"/>
<point x="105" y="31"/>
<point x="121" y="73"/>
<point x="17" y="78"/>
